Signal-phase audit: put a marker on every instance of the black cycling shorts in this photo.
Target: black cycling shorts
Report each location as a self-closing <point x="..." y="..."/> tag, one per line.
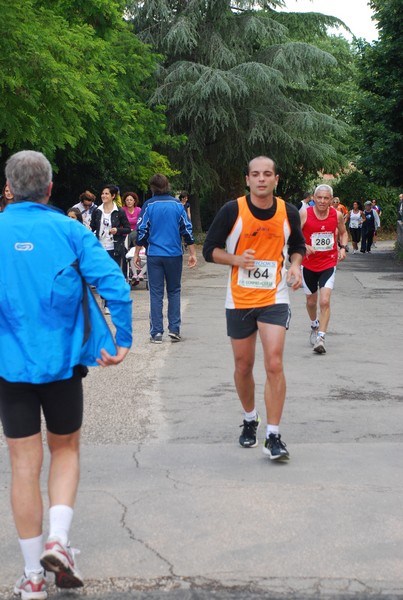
<point x="312" y="280"/>
<point x="242" y="322"/>
<point x="61" y="403"/>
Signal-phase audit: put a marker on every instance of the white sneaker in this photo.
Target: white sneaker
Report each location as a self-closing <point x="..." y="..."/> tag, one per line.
<point x="313" y="335"/>
<point x="59" y="559"/>
<point x="319" y="346"/>
<point x="32" y="586"/>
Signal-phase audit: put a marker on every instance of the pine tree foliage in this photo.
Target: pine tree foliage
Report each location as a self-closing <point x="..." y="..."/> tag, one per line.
<point x="333" y="89"/>
<point x="231" y="81"/>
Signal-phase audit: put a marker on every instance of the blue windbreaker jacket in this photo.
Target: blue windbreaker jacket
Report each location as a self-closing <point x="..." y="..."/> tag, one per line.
<point x="161" y="225"/>
<point x="41" y="292"/>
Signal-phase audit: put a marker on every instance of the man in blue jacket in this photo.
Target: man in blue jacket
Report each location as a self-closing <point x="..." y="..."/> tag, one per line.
<point x="160" y="227"/>
<point x="50" y="328"/>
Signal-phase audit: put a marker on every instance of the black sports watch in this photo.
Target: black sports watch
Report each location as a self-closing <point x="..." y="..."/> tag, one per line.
<point x="342" y="247"/>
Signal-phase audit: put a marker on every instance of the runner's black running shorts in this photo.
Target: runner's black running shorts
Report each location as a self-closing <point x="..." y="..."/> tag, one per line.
<point x="242" y="322"/>
<point x="61" y="403"/>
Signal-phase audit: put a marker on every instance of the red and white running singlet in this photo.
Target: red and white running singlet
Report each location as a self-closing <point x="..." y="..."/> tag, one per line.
<point x="321" y="234"/>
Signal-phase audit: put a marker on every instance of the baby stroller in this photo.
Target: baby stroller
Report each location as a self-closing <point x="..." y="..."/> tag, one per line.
<point x="137" y="275"/>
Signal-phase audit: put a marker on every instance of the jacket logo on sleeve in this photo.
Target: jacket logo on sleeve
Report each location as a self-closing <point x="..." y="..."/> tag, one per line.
<point x="23" y="246"/>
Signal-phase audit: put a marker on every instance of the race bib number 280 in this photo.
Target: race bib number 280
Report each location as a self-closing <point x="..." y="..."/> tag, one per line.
<point x="322" y="241"/>
<point x="263" y="276"/>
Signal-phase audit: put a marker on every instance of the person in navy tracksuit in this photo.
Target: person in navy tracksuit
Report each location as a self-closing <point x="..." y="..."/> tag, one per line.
<point x="370" y="223"/>
<point x="160" y="227"/>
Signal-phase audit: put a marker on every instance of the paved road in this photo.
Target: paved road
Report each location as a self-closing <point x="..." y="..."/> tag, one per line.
<point x="171" y="507"/>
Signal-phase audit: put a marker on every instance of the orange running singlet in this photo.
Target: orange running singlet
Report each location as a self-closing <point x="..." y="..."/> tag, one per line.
<point x="265" y="284"/>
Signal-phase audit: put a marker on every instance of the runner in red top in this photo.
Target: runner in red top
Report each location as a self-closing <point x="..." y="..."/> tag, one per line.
<point x="321" y="225"/>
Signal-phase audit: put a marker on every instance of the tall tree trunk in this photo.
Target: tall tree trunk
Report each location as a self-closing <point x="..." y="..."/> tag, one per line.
<point x="233" y="186"/>
<point x="194" y="202"/>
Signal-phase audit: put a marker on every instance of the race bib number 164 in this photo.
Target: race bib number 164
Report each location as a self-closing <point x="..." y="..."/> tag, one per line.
<point x="263" y="276"/>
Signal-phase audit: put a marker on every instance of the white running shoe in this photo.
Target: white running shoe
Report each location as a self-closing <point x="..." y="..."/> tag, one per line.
<point x="32" y="586"/>
<point x="319" y="346"/>
<point x="59" y="559"/>
<point x="313" y="335"/>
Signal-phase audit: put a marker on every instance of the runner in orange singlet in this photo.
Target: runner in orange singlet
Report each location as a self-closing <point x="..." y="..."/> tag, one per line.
<point x="251" y="235"/>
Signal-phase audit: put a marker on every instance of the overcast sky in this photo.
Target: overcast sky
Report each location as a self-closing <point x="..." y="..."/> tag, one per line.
<point x="355" y="13"/>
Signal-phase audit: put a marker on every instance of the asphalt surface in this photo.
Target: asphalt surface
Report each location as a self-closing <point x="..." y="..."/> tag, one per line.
<point x="171" y="507"/>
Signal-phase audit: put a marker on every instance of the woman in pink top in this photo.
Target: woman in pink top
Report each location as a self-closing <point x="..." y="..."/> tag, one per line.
<point x="130" y="202"/>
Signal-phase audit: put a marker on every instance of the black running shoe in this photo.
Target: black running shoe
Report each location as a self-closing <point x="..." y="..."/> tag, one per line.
<point x="275" y="448"/>
<point x="248" y="439"/>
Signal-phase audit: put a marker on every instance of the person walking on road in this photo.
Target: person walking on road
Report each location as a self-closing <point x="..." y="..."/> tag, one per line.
<point x="184" y="198"/>
<point x="340" y="207"/>
<point x="354" y="224"/>
<point x="370" y="223"/>
<point x="130" y="205"/>
<point x="111" y="227"/>
<point x="45" y="343"/>
<point x="377" y="208"/>
<point x="250" y="235"/>
<point x="322" y="226"/>
<point x="160" y="227"/>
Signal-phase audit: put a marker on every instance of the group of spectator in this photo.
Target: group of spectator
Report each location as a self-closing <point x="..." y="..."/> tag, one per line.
<point x="114" y="221"/>
<point x="115" y="227"/>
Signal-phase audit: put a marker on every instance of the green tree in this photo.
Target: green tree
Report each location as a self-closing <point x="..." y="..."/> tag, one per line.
<point x="379" y="110"/>
<point x="74" y="84"/>
<point x="332" y="88"/>
<point x="232" y="82"/>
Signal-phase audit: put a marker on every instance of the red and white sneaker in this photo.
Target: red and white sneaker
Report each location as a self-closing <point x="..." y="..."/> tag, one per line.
<point x="59" y="559"/>
<point x="32" y="586"/>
